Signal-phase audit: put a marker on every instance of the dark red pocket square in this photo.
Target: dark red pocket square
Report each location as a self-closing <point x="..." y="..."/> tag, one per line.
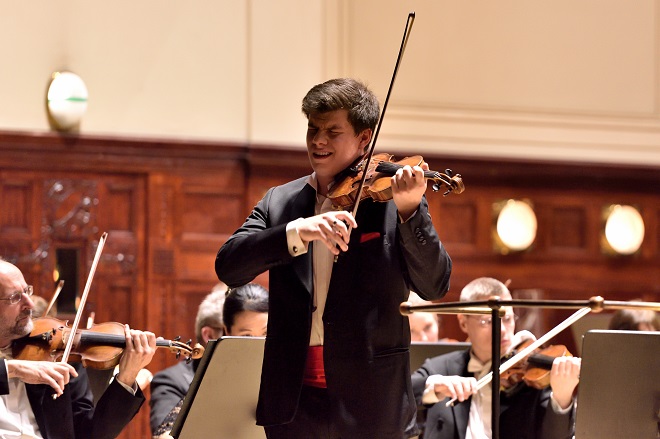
<point x="369" y="236"/>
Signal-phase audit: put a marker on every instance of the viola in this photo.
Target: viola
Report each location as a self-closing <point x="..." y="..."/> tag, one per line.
<point x="99" y="347"/>
<point x="378" y="184"/>
<point x="533" y="370"/>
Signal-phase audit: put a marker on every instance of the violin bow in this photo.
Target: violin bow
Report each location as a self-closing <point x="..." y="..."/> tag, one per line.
<point x="83" y="299"/>
<point x="57" y="292"/>
<point x="404" y="42"/>
<point x="409" y="22"/>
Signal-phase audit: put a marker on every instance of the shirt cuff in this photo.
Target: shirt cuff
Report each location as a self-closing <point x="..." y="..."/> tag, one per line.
<point x="429" y="396"/>
<point x="131" y="389"/>
<point x="556" y="408"/>
<point x="296" y="245"/>
<point x="402" y="221"/>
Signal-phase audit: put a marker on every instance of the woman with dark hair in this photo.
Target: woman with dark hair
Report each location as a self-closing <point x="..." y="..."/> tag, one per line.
<point x="245" y="312"/>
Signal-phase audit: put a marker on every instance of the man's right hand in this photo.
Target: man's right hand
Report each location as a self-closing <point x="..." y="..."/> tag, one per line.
<point x="331" y="228"/>
<point x="56" y="375"/>
<point x="453" y="387"/>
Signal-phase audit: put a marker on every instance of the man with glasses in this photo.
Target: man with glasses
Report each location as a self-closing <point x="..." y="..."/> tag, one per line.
<point x="524" y="412"/>
<point x="43" y="399"/>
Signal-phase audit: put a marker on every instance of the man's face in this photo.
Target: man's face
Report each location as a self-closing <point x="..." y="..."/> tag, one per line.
<point x="423" y="326"/>
<point x="479" y="331"/>
<point x="332" y="144"/>
<point x="15" y="319"/>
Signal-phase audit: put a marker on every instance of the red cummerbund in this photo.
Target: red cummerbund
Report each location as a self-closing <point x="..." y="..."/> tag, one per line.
<point x="314" y="370"/>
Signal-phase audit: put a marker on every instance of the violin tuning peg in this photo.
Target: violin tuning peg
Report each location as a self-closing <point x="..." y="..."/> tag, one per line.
<point x="449" y="172"/>
<point x="435" y="187"/>
<point x="177" y="338"/>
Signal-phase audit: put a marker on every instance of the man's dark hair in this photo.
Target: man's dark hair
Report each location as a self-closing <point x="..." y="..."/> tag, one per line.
<point x="344" y="94"/>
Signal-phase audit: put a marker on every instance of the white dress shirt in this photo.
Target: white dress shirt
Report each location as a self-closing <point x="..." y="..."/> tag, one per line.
<point x="17" y="419"/>
<point x="322" y="263"/>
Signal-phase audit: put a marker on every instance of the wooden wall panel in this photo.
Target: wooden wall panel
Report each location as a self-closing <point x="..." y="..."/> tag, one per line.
<point x="16" y="202"/>
<point x="169" y="206"/>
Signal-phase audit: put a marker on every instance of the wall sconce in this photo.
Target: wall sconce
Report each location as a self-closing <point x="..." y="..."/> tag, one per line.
<point x="515" y="227"/>
<point x="66" y="101"/>
<point x="624" y="230"/>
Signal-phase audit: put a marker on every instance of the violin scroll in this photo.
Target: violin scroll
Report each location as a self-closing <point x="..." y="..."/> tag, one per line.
<point x="177" y="347"/>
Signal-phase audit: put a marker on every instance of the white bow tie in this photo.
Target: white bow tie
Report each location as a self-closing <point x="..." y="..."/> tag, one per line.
<point x="478" y="368"/>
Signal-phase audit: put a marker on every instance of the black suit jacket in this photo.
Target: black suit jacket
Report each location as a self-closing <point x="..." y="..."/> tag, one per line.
<point x="73" y="415"/>
<point x="366" y="338"/>
<point x="524" y="415"/>
<point x="168" y="387"/>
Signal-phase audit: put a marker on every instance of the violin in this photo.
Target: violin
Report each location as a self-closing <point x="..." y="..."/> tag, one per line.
<point x="378" y="184"/>
<point x="99" y="347"/>
<point x="533" y="370"/>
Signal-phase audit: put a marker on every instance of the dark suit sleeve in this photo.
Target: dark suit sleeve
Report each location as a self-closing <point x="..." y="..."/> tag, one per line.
<point x="419" y="378"/>
<point x="114" y="410"/>
<point x="4" y="378"/>
<point x="556" y="425"/>
<point x="253" y="248"/>
<point x="428" y="265"/>
<point x="167" y="389"/>
<point x="73" y="415"/>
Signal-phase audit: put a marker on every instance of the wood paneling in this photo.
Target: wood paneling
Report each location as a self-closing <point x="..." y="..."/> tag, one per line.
<point x="169" y="205"/>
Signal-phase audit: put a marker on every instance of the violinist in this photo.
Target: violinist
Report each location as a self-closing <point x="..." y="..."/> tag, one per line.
<point x="27" y="408"/>
<point x="336" y="360"/>
<point x="525" y="412"/>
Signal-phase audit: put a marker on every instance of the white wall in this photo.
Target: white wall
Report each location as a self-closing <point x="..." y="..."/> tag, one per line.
<point x="560" y="80"/>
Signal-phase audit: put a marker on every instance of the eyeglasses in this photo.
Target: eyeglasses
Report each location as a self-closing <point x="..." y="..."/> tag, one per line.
<point x="508" y="320"/>
<point x="18" y="295"/>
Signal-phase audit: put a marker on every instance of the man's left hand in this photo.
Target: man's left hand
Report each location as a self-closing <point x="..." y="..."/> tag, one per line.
<point x="408" y="187"/>
<point x="564" y="377"/>
<point x="140" y="349"/>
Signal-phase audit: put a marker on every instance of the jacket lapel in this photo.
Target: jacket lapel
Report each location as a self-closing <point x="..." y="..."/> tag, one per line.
<point x="303" y="207"/>
<point x="36" y="395"/>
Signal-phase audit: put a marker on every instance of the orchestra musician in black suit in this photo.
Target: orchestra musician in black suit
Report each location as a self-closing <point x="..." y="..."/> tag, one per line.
<point x="27" y="406"/>
<point x="525" y="412"/>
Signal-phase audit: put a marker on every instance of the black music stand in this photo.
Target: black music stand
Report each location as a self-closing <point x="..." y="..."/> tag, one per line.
<point x="619" y="390"/>
<point x="222" y="399"/>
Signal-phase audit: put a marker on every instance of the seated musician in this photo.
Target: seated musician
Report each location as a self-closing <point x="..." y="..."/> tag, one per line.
<point x="424" y="326"/>
<point x="635" y="320"/>
<point x="525" y="412"/>
<point x="27" y="407"/>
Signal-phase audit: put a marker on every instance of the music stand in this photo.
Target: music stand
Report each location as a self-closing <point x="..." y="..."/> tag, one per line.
<point x="222" y="399"/>
<point x="619" y="390"/>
